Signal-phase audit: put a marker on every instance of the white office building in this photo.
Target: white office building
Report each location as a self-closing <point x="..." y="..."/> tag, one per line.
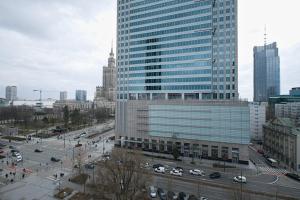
<point x="257" y="120"/>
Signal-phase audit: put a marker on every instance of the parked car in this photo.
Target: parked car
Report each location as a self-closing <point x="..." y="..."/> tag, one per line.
<point x="82" y="134"/>
<point x="157" y="165"/>
<point x="89" y="166"/>
<point x="192" y="197"/>
<point x="14" y="151"/>
<point x="203" y="198"/>
<point x="293" y="176"/>
<point x="171" y="195"/>
<point x="55" y="159"/>
<point x="161" y="193"/>
<point x="197" y="172"/>
<point x="160" y="170"/>
<point x="240" y="179"/>
<point x="215" y="175"/>
<point x="152" y="191"/>
<point x="15" y="154"/>
<point x="181" y="196"/>
<point x="179" y="169"/>
<point x="38" y="151"/>
<point x="176" y="172"/>
<point x="19" y="158"/>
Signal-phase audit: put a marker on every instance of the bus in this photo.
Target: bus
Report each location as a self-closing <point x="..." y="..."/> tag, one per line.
<point x="272" y="162"/>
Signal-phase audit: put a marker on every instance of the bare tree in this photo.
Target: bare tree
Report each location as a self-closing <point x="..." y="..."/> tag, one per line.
<point x="122" y="177"/>
<point x="79" y="155"/>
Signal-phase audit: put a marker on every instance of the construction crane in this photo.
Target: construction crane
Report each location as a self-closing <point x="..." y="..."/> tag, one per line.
<point x="40" y="94"/>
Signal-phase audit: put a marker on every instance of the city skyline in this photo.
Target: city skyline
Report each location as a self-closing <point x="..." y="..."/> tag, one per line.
<point x="42" y="55"/>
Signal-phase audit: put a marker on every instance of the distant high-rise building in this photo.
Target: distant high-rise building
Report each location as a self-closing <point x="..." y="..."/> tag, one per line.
<point x="266" y="72"/>
<point x="80" y="95"/>
<point x="109" y="78"/>
<point x="108" y="90"/>
<point x="11" y="93"/>
<point x="63" y="95"/>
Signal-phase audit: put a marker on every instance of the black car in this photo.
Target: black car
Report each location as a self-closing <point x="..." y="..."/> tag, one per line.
<point x="293" y="176"/>
<point x="181" y="196"/>
<point x="157" y="166"/>
<point x="55" y="159"/>
<point x="161" y="194"/>
<point x="215" y="175"/>
<point x="171" y="195"/>
<point x="89" y="166"/>
<point x="38" y="151"/>
<point x="192" y="197"/>
<point x="14" y="151"/>
<point x="77" y="137"/>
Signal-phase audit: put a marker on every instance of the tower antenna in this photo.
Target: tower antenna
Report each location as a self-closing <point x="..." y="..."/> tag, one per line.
<point x="265" y="38"/>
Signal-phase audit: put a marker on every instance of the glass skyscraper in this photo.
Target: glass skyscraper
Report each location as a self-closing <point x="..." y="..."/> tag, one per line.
<point x="177" y="77"/>
<point x="176" y="49"/>
<point x="266" y="72"/>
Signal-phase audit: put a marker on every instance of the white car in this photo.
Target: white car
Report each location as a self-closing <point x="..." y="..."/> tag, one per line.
<point x="152" y="191"/>
<point x="197" y="172"/>
<point x="203" y="198"/>
<point x="19" y="158"/>
<point x="240" y="179"/>
<point x="176" y="172"/>
<point x="160" y="170"/>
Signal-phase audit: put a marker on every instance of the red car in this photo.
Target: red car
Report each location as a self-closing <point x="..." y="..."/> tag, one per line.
<point x="260" y="151"/>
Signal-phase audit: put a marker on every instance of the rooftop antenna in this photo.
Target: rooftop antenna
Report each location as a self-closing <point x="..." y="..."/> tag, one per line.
<point x="265" y="38"/>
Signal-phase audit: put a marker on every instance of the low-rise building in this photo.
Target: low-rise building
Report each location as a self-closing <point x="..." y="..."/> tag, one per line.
<point x="288" y="110"/>
<point x="217" y="130"/>
<point x="282" y="141"/>
<point x="73" y="104"/>
<point x="4" y="102"/>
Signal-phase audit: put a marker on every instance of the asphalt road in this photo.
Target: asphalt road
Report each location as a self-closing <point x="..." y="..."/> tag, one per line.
<point x="256" y="183"/>
<point x="41" y="164"/>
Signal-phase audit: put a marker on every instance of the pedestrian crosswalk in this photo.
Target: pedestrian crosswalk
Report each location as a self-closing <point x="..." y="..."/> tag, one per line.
<point x="273" y="171"/>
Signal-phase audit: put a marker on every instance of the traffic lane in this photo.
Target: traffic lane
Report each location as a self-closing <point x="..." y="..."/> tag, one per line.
<point x="177" y="186"/>
<point x="250" y="185"/>
<point x="225" y="177"/>
<point x="257" y="157"/>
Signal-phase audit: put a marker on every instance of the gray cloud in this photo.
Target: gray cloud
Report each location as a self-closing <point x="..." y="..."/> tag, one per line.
<point x="54" y="45"/>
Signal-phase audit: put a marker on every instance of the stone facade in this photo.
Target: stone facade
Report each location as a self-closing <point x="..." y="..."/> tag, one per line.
<point x="282" y="141"/>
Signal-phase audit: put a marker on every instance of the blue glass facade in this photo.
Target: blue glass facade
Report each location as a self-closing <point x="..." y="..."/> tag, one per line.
<point x="206" y="123"/>
<point x="266" y="72"/>
<point x="160" y="39"/>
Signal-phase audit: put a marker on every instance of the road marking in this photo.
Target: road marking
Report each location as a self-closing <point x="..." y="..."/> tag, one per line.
<point x="277" y="178"/>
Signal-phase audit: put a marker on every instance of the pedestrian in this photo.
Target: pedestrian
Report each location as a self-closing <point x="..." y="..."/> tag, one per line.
<point x="6" y="162"/>
<point x="6" y="175"/>
<point x="23" y="175"/>
<point x="11" y="180"/>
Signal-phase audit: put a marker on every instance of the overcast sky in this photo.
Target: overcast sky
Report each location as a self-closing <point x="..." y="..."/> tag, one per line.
<point x="57" y="45"/>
